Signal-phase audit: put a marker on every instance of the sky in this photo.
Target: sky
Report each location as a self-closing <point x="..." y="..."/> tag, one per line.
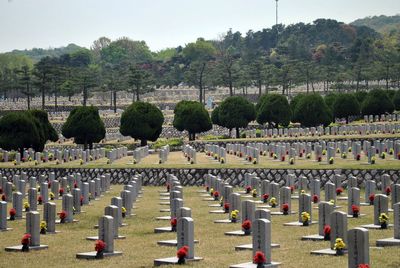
<point x="25" y="24"/>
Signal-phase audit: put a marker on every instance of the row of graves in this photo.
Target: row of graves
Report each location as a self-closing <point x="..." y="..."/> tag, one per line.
<point x="365" y="129"/>
<point x="321" y="151"/>
<point x="190" y="154"/>
<point x="260" y="200"/>
<point x="65" y="155"/>
<point x="75" y="194"/>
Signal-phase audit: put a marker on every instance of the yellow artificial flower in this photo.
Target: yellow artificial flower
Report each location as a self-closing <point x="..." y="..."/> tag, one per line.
<point x="123" y="209"/>
<point x="383" y="218"/>
<point x="339" y="244"/>
<point x="43" y="225"/>
<point x="305" y="216"/>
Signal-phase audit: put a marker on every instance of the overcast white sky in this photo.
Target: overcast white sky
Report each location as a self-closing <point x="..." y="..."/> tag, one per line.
<point x="161" y="23"/>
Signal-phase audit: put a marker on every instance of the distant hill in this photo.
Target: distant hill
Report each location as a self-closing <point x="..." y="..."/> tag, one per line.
<point x="381" y="24"/>
<point x="37" y="53"/>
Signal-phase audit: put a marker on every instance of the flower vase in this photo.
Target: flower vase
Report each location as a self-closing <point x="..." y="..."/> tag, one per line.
<point x="100" y="254"/>
<point x="339" y="252"/>
<point x="123" y="215"/>
<point x="247" y="232"/>
<point x="12" y="218"/>
<point x="227" y="210"/>
<point x="285" y="212"/>
<point x="306" y="223"/>
<point x="25" y="247"/>
<point x="173" y="228"/>
<point x="265" y="201"/>
<point x="27" y="210"/>
<point x="40" y="202"/>
<point x="327" y="237"/>
<point x="371" y="203"/>
<point x="62" y="220"/>
<point x="273" y="206"/>
<point x="254" y="195"/>
<point x="260" y="265"/>
<point x="384" y="225"/>
<point x="216" y="198"/>
<point x="43" y="231"/>
<point x="233" y="220"/>
<point x="181" y="261"/>
<point x="355" y="215"/>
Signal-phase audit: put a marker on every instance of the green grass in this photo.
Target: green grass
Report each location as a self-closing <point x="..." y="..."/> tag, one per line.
<point x="140" y="248"/>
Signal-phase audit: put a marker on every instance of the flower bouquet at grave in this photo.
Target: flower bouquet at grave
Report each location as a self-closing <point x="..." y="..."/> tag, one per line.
<point x="285" y="209"/>
<point x="305" y="218"/>
<point x="222" y="160"/>
<point x="80" y="161"/>
<point x="383" y="155"/>
<point x="57" y="162"/>
<point x="344" y="155"/>
<point x="215" y="156"/>
<point x="383" y="220"/>
<point x="356" y="210"/>
<point x="63" y="216"/>
<point x="15" y="162"/>
<point x="371" y="199"/>
<point x="181" y="254"/>
<point x="315" y="198"/>
<point x="301" y="154"/>
<point x="68" y="189"/>
<point x="319" y="159"/>
<point x="207" y="188"/>
<point x="90" y="196"/>
<point x="358" y="157"/>
<point x="323" y="152"/>
<point x="264" y="153"/>
<point x="61" y="191"/>
<point x="391" y="151"/>
<point x="363" y="265"/>
<point x="14" y="188"/>
<point x="43" y="227"/>
<point x="173" y="223"/>
<point x="192" y="161"/>
<point x="99" y="247"/>
<point x="216" y="195"/>
<point x="123" y="211"/>
<point x="283" y="158"/>
<point x="249" y="158"/>
<point x="212" y="191"/>
<point x="373" y="159"/>
<point x="255" y="161"/>
<point x="12" y="213"/>
<point x="26" y="206"/>
<point x="339" y="246"/>
<point x="226" y="207"/>
<point x="259" y="259"/>
<point x="291" y="161"/>
<point x="246" y="226"/>
<point x="234" y="215"/>
<point x="240" y="154"/>
<point x="40" y="199"/>
<point x="388" y="190"/>
<point x="398" y="156"/>
<point x="291" y="189"/>
<point x="339" y="191"/>
<point x="3" y="197"/>
<point x="273" y="202"/>
<point x="248" y="189"/>
<point x="331" y="160"/>
<point x="1" y="190"/>
<point x="308" y="156"/>
<point x="81" y="200"/>
<point x="36" y="163"/>
<point x="265" y="198"/>
<point x="327" y="232"/>
<point x="254" y="193"/>
<point x="221" y="201"/>
<point x="25" y="241"/>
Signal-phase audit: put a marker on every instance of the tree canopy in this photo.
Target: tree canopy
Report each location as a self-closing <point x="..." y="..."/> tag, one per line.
<point x="376" y="103"/>
<point x="312" y="111"/>
<point x="275" y="110"/>
<point x="345" y="105"/>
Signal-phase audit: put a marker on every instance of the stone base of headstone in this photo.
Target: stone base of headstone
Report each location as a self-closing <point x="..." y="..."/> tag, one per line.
<point x="19" y="248"/>
<point x="165" y="210"/>
<point x="217" y="212"/>
<point x="253" y="265"/>
<point x="375" y="227"/>
<point x="315" y="237"/>
<point x="5" y="230"/>
<point x="17" y="219"/>
<point x="53" y="233"/>
<point x="336" y="207"/>
<point x="171" y="243"/>
<point x="342" y="198"/>
<point x="204" y="195"/>
<point x="237" y="233"/>
<point x="365" y="204"/>
<point x="163" y="218"/>
<point x="250" y="246"/>
<point x="214" y="205"/>
<point x="263" y="206"/>
<point x="209" y="199"/>
<point x="173" y="260"/>
<point x="164" y="198"/>
<point x="246" y="196"/>
<point x="164" y="203"/>
<point x="164" y="194"/>
<point x="388" y="242"/>
<point x="294" y="197"/>
<point x="123" y="225"/>
<point x="327" y="251"/>
<point x="94" y="238"/>
<point x="73" y="221"/>
<point x="201" y="191"/>
<point x="159" y="230"/>
<point x="92" y="255"/>
<point x="278" y="213"/>
<point x="359" y="215"/>
<point x="296" y="223"/>
<point x="226" y="221"/>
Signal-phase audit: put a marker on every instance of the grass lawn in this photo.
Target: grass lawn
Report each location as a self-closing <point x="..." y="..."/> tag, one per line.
<point x="140" y="247"/>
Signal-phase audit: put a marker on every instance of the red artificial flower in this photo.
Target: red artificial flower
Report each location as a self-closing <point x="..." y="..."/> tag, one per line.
<point x="265" y="196"/>
<point x="1" y="190"/>
<point x="216" y="194"/>
<point x="285" y="207"/>
<point x="300" y="154"/>
<point x="207" y="188"/>
<point x="327" y="229"/>
<point x="398" y="156"/>
<point x="358" y="157"/>
<point x="339" y="190"/>
<point x="319" y="159"/>
<point x="388" y="190"/>
<point x="371" y="197"/>
<point x="12" y="212"/>
<point x="363" y="265"/>
<point x="283" y="158"/>
<point x="49" y="185"/>
<point x="40" y="198"/>
<point x="226" y="206"/>
<point x="99" y="245"/>
<point x="61" y="191"/>
<point x="173" y="222"/>
<point x="315" y="198"/>
<point x="292" y="188"/>
<point x="26" y="239"/>
<point x="3" y="197"/>
<point x="248" y="189"/>
<point x="168" y="186"/>
<point x="182" y="252"/>
<point x="355" y="209"/>
<point x="259" y="258"/>
<point x="246" y="225"/>
<point x="250" y="158"/>
<point x="75" y="185"/>
<point x="63" y="214"/>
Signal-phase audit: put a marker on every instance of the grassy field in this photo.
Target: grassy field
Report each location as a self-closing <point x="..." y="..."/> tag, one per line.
<point x="177" y="160"/>
<point x="140" y="247"/>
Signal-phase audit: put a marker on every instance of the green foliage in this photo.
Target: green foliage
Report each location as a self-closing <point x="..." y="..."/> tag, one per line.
<point x="312" y="111"/>
<point x="382" y="24"/>
<point x="173" y="143"/>
<point x="142" y="121"/>
<point x="376" y="103"/>
<point x="330" y="100"/>
<point x="295" y="101"/>
<point x="275" y="110"/>
<point x="191" y="116"/>
<point x="215" y="116"/>
<point x="396" y="100"/>
<point x="37" y="54"/>
<point x="50" y="133"/>
<point x="360" y="96"/>
<point x="236" y="112"/>
<point x="345" y="105"/>
<point x="84" y="125"/>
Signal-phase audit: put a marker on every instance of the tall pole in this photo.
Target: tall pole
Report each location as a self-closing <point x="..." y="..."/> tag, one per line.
<point x="276" y="12"/>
